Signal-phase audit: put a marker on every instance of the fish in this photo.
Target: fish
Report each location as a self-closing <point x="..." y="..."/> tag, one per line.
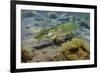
<point x="57" y="31"/>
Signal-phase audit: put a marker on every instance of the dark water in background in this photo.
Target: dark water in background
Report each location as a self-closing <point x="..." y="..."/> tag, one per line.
<point x="33" y="21"/>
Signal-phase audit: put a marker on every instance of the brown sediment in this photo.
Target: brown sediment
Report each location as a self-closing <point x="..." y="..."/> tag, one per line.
<point x="75" y="49"/>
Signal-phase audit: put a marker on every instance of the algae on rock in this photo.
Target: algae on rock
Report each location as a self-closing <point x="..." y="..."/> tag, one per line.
<point x="26" y="55"/>
<point x="76" y="49"/>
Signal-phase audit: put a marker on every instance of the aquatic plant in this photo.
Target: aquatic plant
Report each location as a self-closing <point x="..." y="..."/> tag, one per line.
<point x="76" y="49"/>
<point x="26" y="55"/>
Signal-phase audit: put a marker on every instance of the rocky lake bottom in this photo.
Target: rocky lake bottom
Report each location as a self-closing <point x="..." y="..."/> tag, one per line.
<point x="54" y="36"/>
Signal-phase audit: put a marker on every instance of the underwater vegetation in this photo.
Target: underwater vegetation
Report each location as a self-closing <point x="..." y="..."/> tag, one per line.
<point x="54" y="36"/>
<point x="76" y="49"/>
<point x="26" y="55"/>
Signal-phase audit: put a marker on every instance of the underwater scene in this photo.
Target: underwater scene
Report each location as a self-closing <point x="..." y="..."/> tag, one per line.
<point x="48" y="36"/>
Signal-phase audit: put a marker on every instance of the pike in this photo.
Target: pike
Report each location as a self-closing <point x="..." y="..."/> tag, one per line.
<point x="58" y="30"/>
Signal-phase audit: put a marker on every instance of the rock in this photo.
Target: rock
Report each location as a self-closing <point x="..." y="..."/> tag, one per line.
<point x="42" y="44"/>
<point x="84" y="24"/>
<point x="53" y="16"/>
